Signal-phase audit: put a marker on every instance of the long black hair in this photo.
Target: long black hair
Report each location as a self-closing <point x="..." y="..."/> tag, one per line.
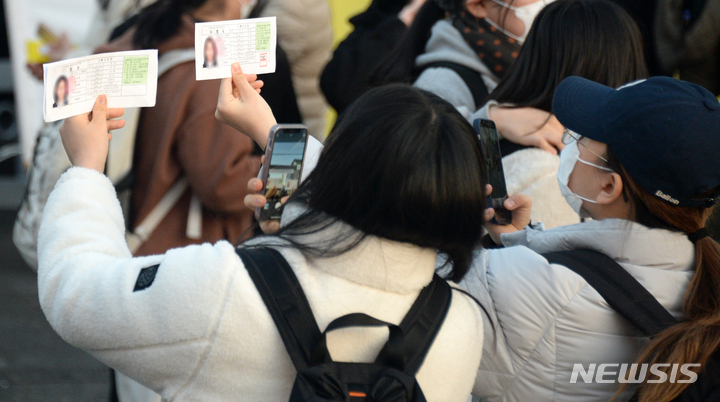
<point x="160" y="21"/>
<point x="593" y="39"/>
<point x="399" y="66"/>
<point x="402" y="165"/>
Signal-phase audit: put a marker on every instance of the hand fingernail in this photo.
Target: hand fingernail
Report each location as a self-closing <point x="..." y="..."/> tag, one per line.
<point x="236" y="67"/>
<point x="103" y="99"/>
<point x="510" y="204"/>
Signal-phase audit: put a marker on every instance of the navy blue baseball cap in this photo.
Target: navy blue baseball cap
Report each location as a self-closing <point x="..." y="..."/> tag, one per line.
<point x="665" y="132"/>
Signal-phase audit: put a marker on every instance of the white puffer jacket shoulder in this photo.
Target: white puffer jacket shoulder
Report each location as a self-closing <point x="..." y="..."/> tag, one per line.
<point x="544" y="318"/>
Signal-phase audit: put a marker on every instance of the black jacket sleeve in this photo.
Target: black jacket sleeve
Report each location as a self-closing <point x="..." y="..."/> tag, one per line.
<point x="707" y="387"/>
<point x="376" y="33"/>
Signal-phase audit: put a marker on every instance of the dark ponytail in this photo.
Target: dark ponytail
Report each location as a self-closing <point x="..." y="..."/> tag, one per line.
<point x="399" y="66"/>
<point x="696" y="339"/>
<point x="160" y="21"/>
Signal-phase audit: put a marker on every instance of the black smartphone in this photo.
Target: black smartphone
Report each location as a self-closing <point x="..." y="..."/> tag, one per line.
<point x="282" y="171"/>
<point x="490" y="142"/>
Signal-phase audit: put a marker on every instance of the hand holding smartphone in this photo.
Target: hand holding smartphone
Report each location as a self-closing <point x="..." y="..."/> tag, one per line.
<point x="282" y="171"/>
<point x="490" y="142"/>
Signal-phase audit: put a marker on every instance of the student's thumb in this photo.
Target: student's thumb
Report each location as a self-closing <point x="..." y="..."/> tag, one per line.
<point x="240" y="80"/>
<point x="100" y="110"/>
<point x="521" y="207"/>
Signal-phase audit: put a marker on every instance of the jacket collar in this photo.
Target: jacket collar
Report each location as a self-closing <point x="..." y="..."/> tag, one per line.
<point x="376" y="262"/>
<point x="625" y="241"/>
<point x="446" y="44"/>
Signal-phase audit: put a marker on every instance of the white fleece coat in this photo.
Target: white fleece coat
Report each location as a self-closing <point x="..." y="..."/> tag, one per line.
<point x="547" y="318"/>
<point x="201" y="332"/>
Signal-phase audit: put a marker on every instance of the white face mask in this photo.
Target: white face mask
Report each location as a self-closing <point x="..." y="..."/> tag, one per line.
<point x="526" y="14"/>
<point x="569" y="157"/>
<point x="247" y="8"/>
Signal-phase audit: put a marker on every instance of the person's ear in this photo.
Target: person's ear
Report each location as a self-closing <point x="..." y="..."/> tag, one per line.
<point x="612" y="189"/>
<point x="476" y="8"/>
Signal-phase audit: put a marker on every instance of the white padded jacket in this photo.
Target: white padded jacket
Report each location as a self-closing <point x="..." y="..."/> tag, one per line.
<point x="546" y="318"/>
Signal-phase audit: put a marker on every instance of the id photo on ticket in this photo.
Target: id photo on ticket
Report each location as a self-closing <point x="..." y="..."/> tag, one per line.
<point x="250" y="42"/>
<point x="129" y="79"/>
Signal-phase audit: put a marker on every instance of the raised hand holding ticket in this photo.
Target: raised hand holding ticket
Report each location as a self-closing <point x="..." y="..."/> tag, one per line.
<point x="250" y="42"/>
<point x="129" y="79"/>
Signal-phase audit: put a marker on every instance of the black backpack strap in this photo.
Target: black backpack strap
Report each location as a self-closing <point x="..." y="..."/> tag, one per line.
<point x="422" y="323"/>
<point x="395" y="344"/>
<point x="472" y="79"/>
<point x="285" y="300"/>
<point x="619" y="289"/>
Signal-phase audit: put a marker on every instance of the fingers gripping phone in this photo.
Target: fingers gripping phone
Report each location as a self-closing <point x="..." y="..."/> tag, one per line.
<point x="283" y="167"/>
<point x="496" y="176"/>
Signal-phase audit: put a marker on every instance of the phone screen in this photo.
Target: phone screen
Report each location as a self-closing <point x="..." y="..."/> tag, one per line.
<point x="491" y="148"/>
<point x="285" y="169"/>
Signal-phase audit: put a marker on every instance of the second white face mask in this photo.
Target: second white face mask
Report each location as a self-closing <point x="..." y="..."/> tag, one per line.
<point x="569" y="157"/>
<point x="526" y="14"/>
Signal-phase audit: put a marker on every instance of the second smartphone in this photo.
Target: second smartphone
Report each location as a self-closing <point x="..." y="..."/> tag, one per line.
<point x="490" y="141"/>
<point x="282" y="171"/>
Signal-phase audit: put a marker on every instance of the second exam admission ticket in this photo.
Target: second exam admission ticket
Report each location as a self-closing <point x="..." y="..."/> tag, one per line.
<point x="129" y="79"/>
<point x="250" y="42"/>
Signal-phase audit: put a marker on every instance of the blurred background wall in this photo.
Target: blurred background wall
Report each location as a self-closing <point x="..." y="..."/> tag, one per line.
<point x="24" y="16"/>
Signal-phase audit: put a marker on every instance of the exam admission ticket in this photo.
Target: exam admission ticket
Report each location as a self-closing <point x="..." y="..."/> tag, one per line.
<point x="129" y="79"/>
<point x="250" y="42"/>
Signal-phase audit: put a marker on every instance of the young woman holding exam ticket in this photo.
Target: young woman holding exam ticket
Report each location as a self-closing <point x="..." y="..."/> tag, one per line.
<point x="190" y="323"/>
<point x="633" y="165"/>
<point x="180" y="140"/>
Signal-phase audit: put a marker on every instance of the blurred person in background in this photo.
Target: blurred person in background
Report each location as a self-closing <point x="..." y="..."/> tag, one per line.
<point x="377" y="31"/>
<point x="460" y="49"/>
<point x="687" y="41"/>
<point x="305" y="35"/>
<point x="681" y="38"/>
<point x="181" y="137"/>
<point x="564" y="41"/>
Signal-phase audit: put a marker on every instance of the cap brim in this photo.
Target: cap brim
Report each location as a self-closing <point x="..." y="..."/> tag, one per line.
<point x="577" y="105"/>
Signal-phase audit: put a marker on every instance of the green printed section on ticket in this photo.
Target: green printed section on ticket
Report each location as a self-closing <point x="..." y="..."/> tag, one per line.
<point x="262" y="36"/>
<point x="135" y="70"/>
